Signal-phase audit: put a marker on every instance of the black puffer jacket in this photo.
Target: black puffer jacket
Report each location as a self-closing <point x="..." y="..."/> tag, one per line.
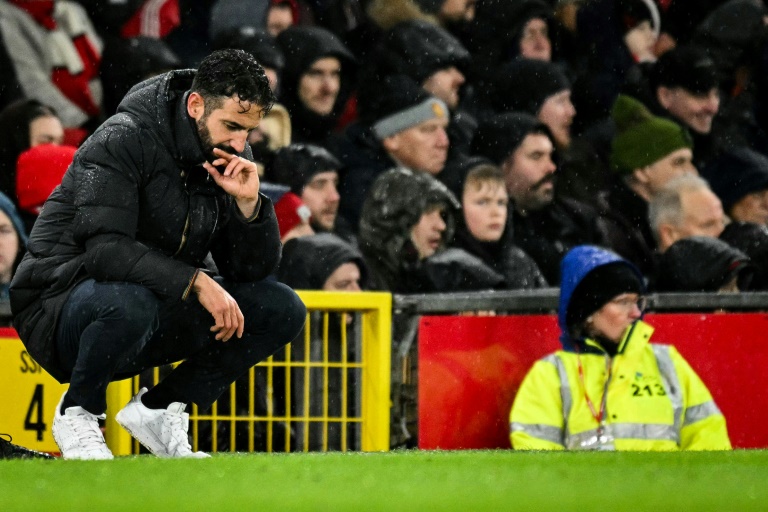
<point x="136" y="206"/>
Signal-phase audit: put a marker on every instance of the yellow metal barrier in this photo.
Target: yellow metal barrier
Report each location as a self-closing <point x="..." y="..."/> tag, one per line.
<point x="328" y="390"/>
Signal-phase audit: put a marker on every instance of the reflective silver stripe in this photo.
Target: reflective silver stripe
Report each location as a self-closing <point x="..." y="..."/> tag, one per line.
<point x="641" y="431"/>
<point x="565" y="391"/>
<point x="699" y="412"/>
<point x="671" y="384"/>
<point x="539" y="431"/>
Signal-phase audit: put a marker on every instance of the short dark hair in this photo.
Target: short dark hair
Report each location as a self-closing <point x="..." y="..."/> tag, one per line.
<point x="228" y="73"/>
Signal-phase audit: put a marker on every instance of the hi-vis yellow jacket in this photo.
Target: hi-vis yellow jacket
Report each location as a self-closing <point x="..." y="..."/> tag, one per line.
<point x="655" y="400"/>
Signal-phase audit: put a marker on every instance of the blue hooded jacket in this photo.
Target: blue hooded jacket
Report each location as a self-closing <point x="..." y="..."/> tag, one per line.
<point x="576" y="264"/>
<point x="7" y="207"/>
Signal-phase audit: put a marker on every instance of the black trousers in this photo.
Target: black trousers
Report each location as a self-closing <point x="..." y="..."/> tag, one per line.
<point x="112" y="331"/>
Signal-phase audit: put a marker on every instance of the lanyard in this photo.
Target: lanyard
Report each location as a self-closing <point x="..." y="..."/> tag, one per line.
<point x="598" y="415"/>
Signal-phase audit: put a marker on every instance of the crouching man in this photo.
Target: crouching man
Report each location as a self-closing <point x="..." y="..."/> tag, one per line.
<point x="113" y="281"/>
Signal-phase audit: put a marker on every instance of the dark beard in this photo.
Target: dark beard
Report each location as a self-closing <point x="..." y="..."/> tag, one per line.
<point x="207" y="142"/>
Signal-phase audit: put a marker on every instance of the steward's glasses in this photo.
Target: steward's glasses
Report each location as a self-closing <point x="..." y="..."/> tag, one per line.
<point x="641" y="301"/>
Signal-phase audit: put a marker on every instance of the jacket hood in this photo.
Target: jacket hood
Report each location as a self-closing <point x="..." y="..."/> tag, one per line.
<point x="702" y="264"/>
<point x="577" y="263"/>
<point x="394" y="205"/>
<point x="418" y="49"/>
<point x="308" y="261"/>
<point x="302" y="46"/>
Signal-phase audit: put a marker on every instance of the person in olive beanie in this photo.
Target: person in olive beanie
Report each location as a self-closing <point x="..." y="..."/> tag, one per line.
<point x="646" y="153"/>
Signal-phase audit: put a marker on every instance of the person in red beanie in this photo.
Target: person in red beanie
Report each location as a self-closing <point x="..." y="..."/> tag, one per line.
<point x="292" y="217"/>
<point x="38" y="171"/>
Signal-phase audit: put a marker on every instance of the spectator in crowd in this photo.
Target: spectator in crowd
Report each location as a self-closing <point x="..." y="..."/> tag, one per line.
<point x="544" y="226"/>
<point x="24" y="124"/>
<point x="584" y="397"/>
<point x="538" y="88"/>
<point x="618" y="37"/>
<point x="434" y="59"/>
<point x="322" y="262"/>
<point x="388" y="13"/>
<point x="55" y="53"/>
<point x="39" y="171"/>
<point x="118" y="253"/>
<point x="148" y="57"/>
<point x="483" y="229"/>
<point x="752" y="240"/>
<point x="684" y="86"/>
<point x="703" y="264"/>
<point x="272" y="15"/>
<point x="685" y="207"/>
<point x="316" y="83"/>
<point x="10" y="89"/>
<point x="503" y="31"/>
<point x="740" y="179"/>
<point x="258" y="43"/>
<point x="13" y="243"/>
<point x="292" y="217"/>
<point x="646" y="153"/>
<point x="400" y="125"/>
<point x="312" y="173"/>
<point x="406" y="224"/>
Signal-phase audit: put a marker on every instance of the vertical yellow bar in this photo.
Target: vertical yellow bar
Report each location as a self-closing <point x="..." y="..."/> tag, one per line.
<point x="215" y="427"/>
<point x="251" y="406"/>
<point x="307" y="375"/>
<point x="118" y="394"/>
<point x="326" y="320"/>
<point x="288" y="398"/>
<point x="232" y="415"/>
<point x="344" y="370"/>
<point x="377" y="335"/>
<point x="270" y="405"/>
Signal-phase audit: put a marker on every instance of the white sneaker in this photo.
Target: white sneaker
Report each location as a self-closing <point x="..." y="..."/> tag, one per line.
<point x="78" y="434"/>
<point x="162" y="431"/>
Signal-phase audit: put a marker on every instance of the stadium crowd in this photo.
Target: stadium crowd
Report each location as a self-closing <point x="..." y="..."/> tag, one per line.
<point x="439" y="145"/>
<point x="457" y="144"/>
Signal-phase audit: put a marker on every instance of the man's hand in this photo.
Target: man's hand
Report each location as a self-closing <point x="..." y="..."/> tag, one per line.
<point x="226" y="313"/>
<point x="240" y="179"/>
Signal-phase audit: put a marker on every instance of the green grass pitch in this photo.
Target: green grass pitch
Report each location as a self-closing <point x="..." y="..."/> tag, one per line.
<point x="399" y="480"/>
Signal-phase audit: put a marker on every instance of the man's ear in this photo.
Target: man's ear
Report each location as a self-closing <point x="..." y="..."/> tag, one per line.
<point x="664" y="96"/>
<point x="640" y="175"/>
<point x="391" y="143"/>
<point x="195" y="106"/>
<point x="667" y="236"/>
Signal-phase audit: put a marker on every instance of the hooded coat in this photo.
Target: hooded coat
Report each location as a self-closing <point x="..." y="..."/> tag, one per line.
<point x="702" y="264"/>
<point x="553" y="407"/>
<point x="308" y="261"/>
<point x="137" y="206"/>
<point x="302" y="46"/>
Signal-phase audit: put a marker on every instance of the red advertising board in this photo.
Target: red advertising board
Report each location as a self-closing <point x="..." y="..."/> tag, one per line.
<point x="470" y="369"/>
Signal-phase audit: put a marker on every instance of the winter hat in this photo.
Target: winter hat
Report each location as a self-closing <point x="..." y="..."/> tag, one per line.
<point x="500" y="135"/>
<point x="689" y="67"/>
<point x="735" y="174"/>
<point x="308" y="261"/>
<point x="39" y="170"/>
<point x="633" y="12"/>
<point x="598" y="287"/>
<point x="295" y="165"/>
<point x="290" y="212"/>
<point x="256" y="41"/>
<point x="642" y="138"/>
<point x="702" y="264"/>
<point x="400" y="104"/>
<point x="418" y="49"/>
<point x="525" y="84"/>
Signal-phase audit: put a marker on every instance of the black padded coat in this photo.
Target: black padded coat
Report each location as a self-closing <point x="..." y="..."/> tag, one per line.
<point x="136" y="206"/>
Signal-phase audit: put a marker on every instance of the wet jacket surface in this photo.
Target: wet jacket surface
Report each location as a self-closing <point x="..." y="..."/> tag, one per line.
<point x="654" y="401"/>
<point x="137" y="206"/>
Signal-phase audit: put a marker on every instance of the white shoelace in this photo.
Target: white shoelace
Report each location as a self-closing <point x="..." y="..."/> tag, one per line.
<point x="86" y="427"/>
<point x="179" y="442"/>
